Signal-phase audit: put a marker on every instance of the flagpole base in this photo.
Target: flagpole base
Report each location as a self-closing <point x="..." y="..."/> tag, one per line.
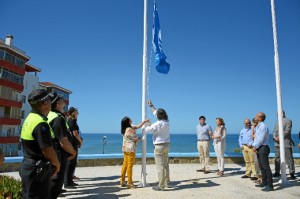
<point x="284" y="181"/>
<point x="143" y="185"/>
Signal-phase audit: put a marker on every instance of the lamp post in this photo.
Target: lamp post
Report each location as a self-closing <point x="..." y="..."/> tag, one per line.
<point x="104" y="142"/>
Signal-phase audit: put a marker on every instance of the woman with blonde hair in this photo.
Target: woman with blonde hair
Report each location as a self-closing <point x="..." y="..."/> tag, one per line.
<point x="219" y="143"/>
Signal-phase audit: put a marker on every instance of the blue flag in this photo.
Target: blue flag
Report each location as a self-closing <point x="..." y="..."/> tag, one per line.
<point x="160" y="58"/>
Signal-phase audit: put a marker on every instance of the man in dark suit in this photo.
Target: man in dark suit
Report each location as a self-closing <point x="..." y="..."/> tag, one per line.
<point x="288" y="145"/>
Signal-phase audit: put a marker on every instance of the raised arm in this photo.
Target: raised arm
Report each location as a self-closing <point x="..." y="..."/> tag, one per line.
<point x="151" y="105"/>
<point x="141" y="124"/>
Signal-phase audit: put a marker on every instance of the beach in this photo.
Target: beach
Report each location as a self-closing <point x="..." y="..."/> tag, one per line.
<point x="103" y="182"/>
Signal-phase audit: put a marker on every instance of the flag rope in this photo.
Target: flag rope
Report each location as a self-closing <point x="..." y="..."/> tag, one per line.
<point x="148" y="80"/>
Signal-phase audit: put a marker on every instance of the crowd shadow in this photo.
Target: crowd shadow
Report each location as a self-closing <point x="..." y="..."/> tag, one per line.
<point x="108" y="187"/>
<point x="190" y="184"/>
<point x="100" y="178"/>
<point x="96" y="189"/>
<point x="291" y="183"/>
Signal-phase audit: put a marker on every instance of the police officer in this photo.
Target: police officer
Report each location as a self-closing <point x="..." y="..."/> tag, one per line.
<point x="35" y="170"/>
<point x="65" y="150"/>
<point x="76" y="142"/>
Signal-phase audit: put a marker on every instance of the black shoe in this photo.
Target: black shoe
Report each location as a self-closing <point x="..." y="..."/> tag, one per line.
<point x="200" y="170"/>
<point x="268" y="188"/>
<point x="63" y="191"/>
<point x="206" y="172"/>
<point x="276" y="174"/>
<point x="260" y="185"/>
<point x="292" y="176"/>
<point x="68" y="186"/>
<point x="245" y="176"/>
<point x="61" y="195"/>
<point x="157" y="188"/>
<point x="73" y="184"/>
<point x="169" y="186"/>
<point x="253" y="178"/>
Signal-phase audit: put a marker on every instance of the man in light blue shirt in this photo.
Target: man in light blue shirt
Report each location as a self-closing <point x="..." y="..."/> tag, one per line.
<point x="203" y="136"/>
<point x="261" y="147"/>
<point x="245" y="142"/>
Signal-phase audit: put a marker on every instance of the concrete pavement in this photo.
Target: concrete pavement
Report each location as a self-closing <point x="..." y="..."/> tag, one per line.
<point x="103" y="182"/>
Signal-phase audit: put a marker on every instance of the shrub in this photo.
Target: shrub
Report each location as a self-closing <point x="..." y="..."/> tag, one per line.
<point x="10" y="188"/>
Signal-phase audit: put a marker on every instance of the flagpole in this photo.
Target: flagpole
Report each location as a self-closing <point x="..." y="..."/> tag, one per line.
<point x="279" y="102"/>
<point x="143" y="182"/>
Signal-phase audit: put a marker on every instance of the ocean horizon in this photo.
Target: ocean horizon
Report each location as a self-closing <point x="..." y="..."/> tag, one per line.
<point x="111" y="143"/>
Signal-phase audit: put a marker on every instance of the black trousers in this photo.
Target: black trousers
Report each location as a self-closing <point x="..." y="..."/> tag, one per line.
<point x="57" y="183"/>
<point x="71" y="168"/>
<point x="32" y="187"/>
<point x="263" y="162"/>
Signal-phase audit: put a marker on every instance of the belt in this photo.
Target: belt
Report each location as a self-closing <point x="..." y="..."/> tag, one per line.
<point x="247" y="145"/>
<point x="164" y="143"/>
<point x="30" y="160"/>
<point x="261" y="146"/>
<point x="203" y="140"/>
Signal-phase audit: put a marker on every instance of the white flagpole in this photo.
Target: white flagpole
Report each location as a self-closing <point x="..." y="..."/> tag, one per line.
<point x="144" y="87"/>
<point x="279" y="103"/>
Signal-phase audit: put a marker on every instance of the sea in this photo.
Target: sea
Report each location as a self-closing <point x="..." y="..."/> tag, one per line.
<point x="99" y="143"/>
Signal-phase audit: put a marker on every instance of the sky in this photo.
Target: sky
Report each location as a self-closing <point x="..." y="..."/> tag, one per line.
<point x="221" y="55"/>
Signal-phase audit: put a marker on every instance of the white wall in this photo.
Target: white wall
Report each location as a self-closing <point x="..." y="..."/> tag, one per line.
<point x="31" y="82"/>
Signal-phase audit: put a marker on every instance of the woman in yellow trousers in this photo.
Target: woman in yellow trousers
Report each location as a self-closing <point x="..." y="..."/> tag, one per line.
<point x="130" y="140"/>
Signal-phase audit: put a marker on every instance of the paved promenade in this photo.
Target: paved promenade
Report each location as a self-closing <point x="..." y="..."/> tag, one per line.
<point x="103" y="182"/>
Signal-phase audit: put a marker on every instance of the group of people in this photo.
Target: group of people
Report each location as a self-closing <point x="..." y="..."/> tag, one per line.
<point x="254" y="142"/>
<point x="252" y="156"/>
<point x="161" y="141"/>
<point x="50" y="142"/>
<point x="204" y="135"/>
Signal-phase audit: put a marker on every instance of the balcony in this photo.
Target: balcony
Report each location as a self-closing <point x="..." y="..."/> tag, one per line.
<point x="10" y="103"/>
<point x="9" y="121"/>
<point x="9" y="140"/>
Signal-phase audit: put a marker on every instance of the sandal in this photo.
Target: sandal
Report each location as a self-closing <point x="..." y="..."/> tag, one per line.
<point x="220" y="173"/>
<point x="131" y="186"/>
<point x="123" y="184"/>
<point x="258" y="181"/>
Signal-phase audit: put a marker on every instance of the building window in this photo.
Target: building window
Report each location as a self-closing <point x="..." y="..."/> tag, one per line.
<point x="10" y="132"/>
<point x="23" y="99"/>
<point x="13" y="59"/>
<point x="22" y="114"/>
<point x="1" y="54"/>
<point x="12" y="77"/>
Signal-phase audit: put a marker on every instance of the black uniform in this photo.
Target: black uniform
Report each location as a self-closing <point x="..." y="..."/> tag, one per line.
<point x="60" y="130"/>
<point x="72" y="163"/>
<point x="33" y="185"/>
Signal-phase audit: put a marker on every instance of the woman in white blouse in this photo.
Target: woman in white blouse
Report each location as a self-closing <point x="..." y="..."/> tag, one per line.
<point x="219" y="143"/>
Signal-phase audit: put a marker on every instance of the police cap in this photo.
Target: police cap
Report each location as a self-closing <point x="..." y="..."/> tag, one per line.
<point x="71" y="110"/>
<point x="39" y="95"/>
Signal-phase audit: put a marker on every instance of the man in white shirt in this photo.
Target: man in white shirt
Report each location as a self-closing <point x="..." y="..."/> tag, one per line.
<point x="161" y="141"/>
